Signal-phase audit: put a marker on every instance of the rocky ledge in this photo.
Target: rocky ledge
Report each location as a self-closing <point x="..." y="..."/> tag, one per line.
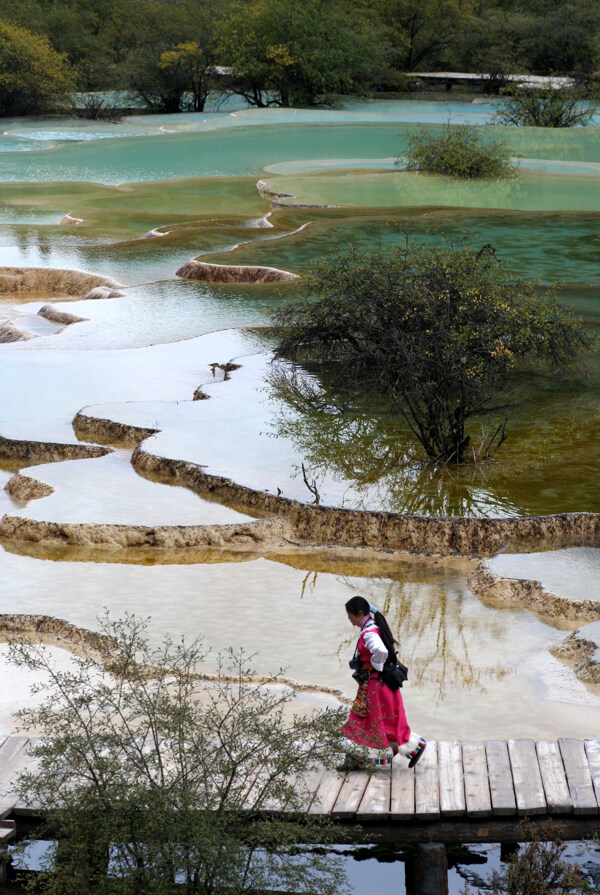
<point x="263" y="534"/>
<point x="28" y="453"/>
<point x="581" y="650"/>
<point x="51" y="280"/>
<point x="379" y="530"/>
<point x="230" y="273"/>
<point x="25" y="488"/>
<point x="530" y="594"/>
<point x="61" y="317"/>
<point x="104" y="431"/>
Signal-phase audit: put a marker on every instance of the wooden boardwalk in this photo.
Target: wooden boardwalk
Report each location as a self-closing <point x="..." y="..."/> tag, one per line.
<point x="455" y="784"/>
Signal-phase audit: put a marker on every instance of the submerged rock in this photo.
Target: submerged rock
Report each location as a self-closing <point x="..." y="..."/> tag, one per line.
<point x="24" y="488"/>
<point x="267" y="193"/>
<point x="56" y="316"/>
<point x="581" y="650"/>
<point x="230" y="273"/>
<point x="99" y="292"/>
<point x="71" y="220"/>
<point x="10" y="333"/>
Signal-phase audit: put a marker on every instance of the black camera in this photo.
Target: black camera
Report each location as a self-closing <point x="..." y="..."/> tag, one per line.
<point x="359" y="673"/>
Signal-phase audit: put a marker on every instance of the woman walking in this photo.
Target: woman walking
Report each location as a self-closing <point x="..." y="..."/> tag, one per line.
<point x="377" y="718"/>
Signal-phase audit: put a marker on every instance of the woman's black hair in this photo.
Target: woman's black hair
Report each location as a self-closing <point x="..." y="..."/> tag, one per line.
<point x="359" y="604"/>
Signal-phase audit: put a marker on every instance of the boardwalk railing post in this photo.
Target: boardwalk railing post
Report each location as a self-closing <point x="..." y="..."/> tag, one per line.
<point x="427" y="871"/>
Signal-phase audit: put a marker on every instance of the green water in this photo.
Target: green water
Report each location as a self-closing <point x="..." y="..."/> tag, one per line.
<point x="139" y="358"/>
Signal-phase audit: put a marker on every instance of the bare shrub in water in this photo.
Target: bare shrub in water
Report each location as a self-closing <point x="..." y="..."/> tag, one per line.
<point x="537" y="869"/>
<point x="146" y="781"/>
<point x="437" y="332"/>
<point x="457" y="150"/>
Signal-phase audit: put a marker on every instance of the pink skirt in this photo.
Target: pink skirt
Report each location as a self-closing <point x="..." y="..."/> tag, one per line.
<point x="384" y="722"/>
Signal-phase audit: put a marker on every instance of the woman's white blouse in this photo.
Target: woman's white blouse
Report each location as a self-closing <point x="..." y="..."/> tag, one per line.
<point x="374" y="644"/>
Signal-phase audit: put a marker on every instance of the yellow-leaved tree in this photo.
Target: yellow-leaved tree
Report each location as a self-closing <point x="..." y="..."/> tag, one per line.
<point x="33" y="77"/>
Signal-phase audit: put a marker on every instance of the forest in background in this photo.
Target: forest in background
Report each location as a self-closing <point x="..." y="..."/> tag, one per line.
<point x="279" y="52"/>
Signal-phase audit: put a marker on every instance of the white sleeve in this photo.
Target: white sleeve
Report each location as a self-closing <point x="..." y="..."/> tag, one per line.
<point x="374" y="644"/>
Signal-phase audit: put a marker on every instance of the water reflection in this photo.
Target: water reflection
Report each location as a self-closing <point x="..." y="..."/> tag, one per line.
<point x="438" y="638"/>
<point x="290" y="614"/>
<point x="374" y="452"/>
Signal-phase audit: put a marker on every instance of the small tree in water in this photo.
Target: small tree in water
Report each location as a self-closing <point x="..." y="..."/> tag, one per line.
<point x="151" y="785"/>
<point x="532" y="106"/>
<point x="440" y="332"/>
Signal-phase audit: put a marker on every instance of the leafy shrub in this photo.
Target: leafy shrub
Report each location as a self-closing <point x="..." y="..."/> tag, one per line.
<point x="459" y="151"/>
<point x="154" y="785"/>
<point x="528" y="106"/>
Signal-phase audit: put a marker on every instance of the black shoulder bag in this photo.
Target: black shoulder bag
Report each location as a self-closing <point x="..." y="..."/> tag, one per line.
<point x="394" y="673"/>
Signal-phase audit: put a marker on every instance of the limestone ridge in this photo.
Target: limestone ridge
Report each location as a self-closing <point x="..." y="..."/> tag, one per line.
<point x="52" y="281"/>
<point x="30" y="453"/>
<point x="108" y="432"/>
<point x="230" y="273"/>
<point x="258" y="536"/>
<point x="379" y="530"/>
<point x="531" y="594"/>
<point x="281" y="521"/>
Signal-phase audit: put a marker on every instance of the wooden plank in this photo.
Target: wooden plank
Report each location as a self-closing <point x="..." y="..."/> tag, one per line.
<point x="14" y="759"/>
<point x="556" y="789"/>
<point x="308" y="785"/>
<point x="592" y="751"/>
<point x="477" y="785"/>
<point x="578" y="776"/>
<point x="350" y="794"/>
<point x="427" y="784"/>
<point x="375" y="803"/>
<point x="7" y="831"/>
<point x="500" y="778"/>
<point x="22" y="809"/>
<point x="527" y="780"/>
<point x="402" y="801"/>
<point x="327" y="793"/>
<point x="452" y="781"/>
<point x="9" y="749"/>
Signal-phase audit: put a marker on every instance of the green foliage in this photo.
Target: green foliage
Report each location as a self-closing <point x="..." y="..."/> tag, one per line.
<point x="542" y="37"/>
<point x="439" y="332"/>
<point x="287" y="52"/>
<point x="178" y="79"/>
<point x="146" y="775"/>
<point x="423" y="33"/>
<point x="458" y="150"/>
<point x="296" y="52"/>
<point x="33" y="76"/>
<point x="529" y="106"/>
